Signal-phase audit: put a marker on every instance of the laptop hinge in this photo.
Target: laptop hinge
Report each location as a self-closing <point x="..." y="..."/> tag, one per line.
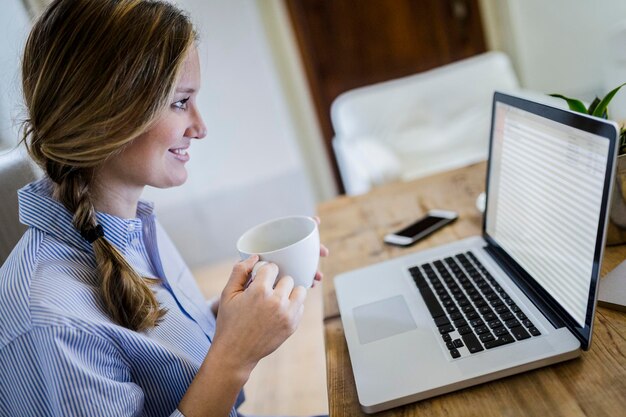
<point x="536" y="298"/>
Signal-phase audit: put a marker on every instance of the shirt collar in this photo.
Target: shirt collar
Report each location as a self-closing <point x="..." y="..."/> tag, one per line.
<point x="39" y="209"/>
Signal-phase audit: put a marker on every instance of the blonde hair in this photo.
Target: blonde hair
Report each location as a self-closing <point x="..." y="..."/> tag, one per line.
<point x="96" y="74"/>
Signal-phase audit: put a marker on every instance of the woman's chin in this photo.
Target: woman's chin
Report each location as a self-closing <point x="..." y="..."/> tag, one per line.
<point x="172" y="181"/>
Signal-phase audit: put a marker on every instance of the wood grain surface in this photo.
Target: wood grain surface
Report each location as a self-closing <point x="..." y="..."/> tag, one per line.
<point x="353" y="228"/>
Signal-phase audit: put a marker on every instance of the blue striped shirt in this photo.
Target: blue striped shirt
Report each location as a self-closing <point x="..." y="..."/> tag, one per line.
<point x="60" y="353"/>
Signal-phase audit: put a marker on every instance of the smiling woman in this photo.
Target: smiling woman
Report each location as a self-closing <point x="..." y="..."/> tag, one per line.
<point x="106" y="318"/>
<point x="157" y="156"/>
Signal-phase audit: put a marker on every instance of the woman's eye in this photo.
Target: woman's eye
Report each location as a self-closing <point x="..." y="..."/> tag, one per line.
<point x="181" y="104"/>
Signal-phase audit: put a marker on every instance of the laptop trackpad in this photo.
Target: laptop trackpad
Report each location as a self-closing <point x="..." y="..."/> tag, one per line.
<point x="382" y="319"/>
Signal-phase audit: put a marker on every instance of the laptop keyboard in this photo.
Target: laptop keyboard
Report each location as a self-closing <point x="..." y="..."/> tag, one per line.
<point x="471" y="310"/>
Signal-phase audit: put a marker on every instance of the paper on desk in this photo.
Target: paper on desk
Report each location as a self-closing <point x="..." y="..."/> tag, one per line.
<point x="612" y="293"/>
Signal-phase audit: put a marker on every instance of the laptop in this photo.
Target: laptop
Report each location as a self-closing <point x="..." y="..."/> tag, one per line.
<point x="519" y="297"/>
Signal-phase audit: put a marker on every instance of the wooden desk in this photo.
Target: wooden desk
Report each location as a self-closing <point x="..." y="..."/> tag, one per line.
<point x="353" y="229"/>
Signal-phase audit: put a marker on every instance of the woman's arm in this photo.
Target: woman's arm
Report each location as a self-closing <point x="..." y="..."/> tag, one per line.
<point x="251" y="324"/>
<point x="63" y="371"/>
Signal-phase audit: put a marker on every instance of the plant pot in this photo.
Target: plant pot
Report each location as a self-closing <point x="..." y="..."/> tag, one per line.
<point x="616" y="234"/>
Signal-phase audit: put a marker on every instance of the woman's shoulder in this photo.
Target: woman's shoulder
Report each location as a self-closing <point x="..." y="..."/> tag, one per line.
<point x="46" y="282"/>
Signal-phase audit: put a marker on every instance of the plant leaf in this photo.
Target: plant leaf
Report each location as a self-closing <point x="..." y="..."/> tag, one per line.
<point x="575" y="105"/>
<point x="593" y="105"/>
<point x="601" y="108"/>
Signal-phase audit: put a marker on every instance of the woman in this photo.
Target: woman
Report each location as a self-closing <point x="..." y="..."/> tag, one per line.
<point x="98" y="313"/>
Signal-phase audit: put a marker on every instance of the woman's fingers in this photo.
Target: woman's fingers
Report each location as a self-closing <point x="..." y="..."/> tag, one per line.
<point x="265" y="277"/>
<point x="239" y="275"/>
<point x="284" y="287"/>
<point x="298" y="295"/>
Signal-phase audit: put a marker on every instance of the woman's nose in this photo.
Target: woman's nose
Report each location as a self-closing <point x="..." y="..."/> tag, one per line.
<point x="197" y="130"/>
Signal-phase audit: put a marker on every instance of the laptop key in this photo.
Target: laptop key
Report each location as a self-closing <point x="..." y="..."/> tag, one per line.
<point x="534" y="331"/>
<point x="490" y="317"/>
<point x="496" y="303"/>
<point x="504" y="340"/>
<point x="481" y="329"/>
<point x="456" y="316"/>
<point x="448" y="303"/>
<point x="472" y="343"/>
<point x="464" y="330"/>
<point x="487" y="337"/>
<point x="431" y="302"/>
<point x="507" y="316"/>
<point x="446" y="329"/>
<point x="472" y="315"/>
<point x="455" y="353"/>
<point x="527" y="323"/>
<point x="494" y="323"/>
<point x="485" y="310"/>
<point x="442" y="321"/>
<point x="464" y="302"/>
<point x="452" y="309"/>
<point x="458" y="343"/>
<point x="476" y="322"/>
<point x="502" y="309"/>
<point x="450" y="345"/>
<point x="460" y="323"/>
<point x="520" y="333"/>
<point x="446" y="337"/>
<point x="468" y="308"/>
<point x="500" y="331"/>
<point x="512" y="323"/>
<point x="474" y="294"/>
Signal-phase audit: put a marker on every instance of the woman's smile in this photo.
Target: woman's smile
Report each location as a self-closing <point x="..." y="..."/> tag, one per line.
<point x="180" y="153"/>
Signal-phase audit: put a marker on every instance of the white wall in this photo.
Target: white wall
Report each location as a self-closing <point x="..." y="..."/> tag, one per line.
<point x="559" y="45"/>
<point x="14" y="22"/>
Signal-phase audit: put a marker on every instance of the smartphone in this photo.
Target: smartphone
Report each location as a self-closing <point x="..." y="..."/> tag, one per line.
<point x="434" y="220"/>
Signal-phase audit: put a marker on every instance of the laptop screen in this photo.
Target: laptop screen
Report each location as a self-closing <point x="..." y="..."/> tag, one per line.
<point x="545" y="206"/>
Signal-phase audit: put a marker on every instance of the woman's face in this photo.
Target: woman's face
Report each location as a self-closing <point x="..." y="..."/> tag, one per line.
<point x="158" y="157"/>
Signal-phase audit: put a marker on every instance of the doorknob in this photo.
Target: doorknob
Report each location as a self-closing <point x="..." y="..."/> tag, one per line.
<point x="459" y="9"/>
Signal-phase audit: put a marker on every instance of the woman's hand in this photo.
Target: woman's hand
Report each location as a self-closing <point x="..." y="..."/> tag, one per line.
<point x="323" y="252"/>
<point x="255" y="320"/>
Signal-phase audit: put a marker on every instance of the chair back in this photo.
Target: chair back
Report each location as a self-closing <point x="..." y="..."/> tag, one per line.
<point x="431" y="94"/>
<point x="16" y="171"/>
<point x="418" y="125"/>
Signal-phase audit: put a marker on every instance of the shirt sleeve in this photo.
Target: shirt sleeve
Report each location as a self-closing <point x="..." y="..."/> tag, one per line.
<point x="61" y="371"/>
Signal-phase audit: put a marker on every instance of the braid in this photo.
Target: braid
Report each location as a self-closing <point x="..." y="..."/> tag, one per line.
<point x="127" y="297"/>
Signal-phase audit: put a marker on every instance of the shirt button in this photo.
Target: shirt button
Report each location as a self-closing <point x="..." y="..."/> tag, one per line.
<point x="131" y="227"/>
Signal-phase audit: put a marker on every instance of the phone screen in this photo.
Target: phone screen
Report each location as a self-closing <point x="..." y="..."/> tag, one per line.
<point x="421" y="225"/>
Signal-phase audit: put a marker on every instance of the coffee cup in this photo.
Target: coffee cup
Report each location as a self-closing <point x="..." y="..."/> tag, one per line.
<point x="292" y="243"/>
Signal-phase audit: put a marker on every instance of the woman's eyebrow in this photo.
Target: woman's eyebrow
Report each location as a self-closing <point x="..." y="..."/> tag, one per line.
<point x="185" y="90"/>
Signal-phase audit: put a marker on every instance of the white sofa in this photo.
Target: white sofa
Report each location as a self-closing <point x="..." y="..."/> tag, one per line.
<point x="418" y="125"/>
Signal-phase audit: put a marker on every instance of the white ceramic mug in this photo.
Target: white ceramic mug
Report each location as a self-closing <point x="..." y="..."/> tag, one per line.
<point x="292" y="243"/>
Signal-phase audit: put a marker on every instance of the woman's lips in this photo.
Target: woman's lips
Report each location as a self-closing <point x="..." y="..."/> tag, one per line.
<point x="180" y="154"/>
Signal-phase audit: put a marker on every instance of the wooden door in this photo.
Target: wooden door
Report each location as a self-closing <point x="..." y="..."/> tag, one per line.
<point x="352" y="43"/>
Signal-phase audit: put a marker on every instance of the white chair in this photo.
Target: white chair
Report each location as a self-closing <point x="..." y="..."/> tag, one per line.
<point x="15" y="171"/>
<point x="418" y="125"/>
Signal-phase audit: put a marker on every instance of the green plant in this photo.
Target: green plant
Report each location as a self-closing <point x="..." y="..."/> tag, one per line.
<point x="598" y="108"/>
